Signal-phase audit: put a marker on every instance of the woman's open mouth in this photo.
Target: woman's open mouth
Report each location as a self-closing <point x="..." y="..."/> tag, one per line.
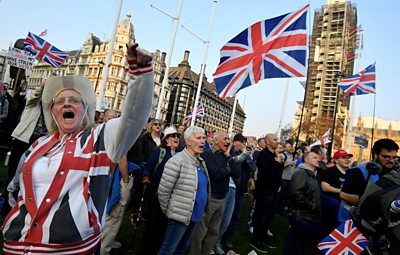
<point x="68" y="115"/>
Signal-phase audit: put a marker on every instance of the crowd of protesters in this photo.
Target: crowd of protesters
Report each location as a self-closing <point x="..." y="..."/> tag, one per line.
<point x="73" y="171"/>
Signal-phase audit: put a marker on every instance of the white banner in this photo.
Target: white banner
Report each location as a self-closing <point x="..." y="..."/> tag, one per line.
<point x="20" y="58"/>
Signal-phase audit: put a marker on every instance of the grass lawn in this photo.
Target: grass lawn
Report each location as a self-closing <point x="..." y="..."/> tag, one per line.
<point x="240" y="239"/>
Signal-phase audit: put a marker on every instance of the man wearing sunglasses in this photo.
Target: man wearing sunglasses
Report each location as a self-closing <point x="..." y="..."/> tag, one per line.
<point x="384" y="152"/>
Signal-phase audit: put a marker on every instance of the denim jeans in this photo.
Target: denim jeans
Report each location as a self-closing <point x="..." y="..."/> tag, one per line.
<point x="264" y="213"/>
<point x="302" y="236"/>
<point x="235" y="217"/>
<point x="228" y="211"/>
<point x="177" y="238"/>
<point x="283" y="196"/>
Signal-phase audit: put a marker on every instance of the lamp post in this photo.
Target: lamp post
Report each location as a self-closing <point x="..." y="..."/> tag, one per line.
<point x="98" y="75"/>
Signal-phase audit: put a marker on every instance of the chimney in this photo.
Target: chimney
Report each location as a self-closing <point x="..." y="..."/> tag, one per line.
<point x="163" y="55"/>
<point x="186" y="56"/>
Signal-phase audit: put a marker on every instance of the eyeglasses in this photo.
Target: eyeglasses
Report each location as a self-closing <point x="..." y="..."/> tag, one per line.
<point x="174" y="136"/>
<point x="71" y="100"/>
<point x="388" y="156"/>
<point x="156" y="124"/>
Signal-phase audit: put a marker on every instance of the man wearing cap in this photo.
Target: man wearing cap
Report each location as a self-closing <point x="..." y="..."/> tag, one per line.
<point x="237" y="189"/>
<point x="221" y="166"/>
<point x="331" y="184"/>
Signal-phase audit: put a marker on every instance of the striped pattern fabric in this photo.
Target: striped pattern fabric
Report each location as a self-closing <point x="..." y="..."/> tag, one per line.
<point x="73" y="210"/>
<point x="136" y="70"/>
<point x="71" y="216"/>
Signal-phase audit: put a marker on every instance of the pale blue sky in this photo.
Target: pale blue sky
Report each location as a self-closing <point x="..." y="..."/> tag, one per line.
<point x="69" y="22"/>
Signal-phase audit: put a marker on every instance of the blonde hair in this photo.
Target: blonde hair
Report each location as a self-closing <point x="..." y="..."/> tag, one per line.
<point x="151" y="124"/>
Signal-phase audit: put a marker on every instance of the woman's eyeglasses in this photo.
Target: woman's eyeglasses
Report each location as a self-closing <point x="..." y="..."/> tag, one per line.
<point x="174" y="136"/>
<point x="156" y="124"/>
<point x="71" y="100"/>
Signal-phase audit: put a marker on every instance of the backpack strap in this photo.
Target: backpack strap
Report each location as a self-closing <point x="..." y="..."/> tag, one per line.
<point x="371" y="178"/>
<point x="163" y="151"/>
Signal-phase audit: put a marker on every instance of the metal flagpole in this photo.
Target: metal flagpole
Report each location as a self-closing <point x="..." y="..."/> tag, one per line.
<point x="230" y="129"/>
<point x="203" y="66"/>
<point x="373" y="126"/>
<point x="283" y="108"/>
<point x="169" y="56"/>
<point x="108" y="59"/>
<point x="353" y="98"/>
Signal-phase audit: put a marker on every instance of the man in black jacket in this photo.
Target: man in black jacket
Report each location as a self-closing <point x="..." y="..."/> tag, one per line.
<point x="220" y="166"/>
<point x="304" y="206"/>
<point x="268" y="181"/>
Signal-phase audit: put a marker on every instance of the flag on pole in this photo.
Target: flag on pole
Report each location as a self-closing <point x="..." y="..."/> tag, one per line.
<point x="303" y="84"/>
<point x="345" y="240"/>
<point x="44" y="33"/>
<point x="272" y="48"/>
<point x="199" y="113"/>
<point x="323" y="140"/>
<point x="43" y="50"/>
<point x="361" y="83"/>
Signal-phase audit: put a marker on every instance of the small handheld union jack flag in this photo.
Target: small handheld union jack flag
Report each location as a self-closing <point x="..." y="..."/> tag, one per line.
<point x="43" y="50"/>
<point x="361" y="83"/>
<point x="199" y="113"/>
<point x="345" y="240"/>
<point x="272" y="48"/>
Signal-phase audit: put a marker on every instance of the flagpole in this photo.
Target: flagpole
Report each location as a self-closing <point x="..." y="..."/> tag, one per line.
<point x="230" y="129"/>
<point x="283" y="109"/>
<point x="373" y="126"/>
<point x="203" y="66"/>
<point x="108" y="60"/>
<point x="353" y="98"/>
<point x="169" y="56"/>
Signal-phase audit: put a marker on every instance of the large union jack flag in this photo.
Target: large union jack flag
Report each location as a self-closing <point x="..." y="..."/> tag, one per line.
<point x="361" y="83"/>
<point x="345" y="240"/>
<point x="43" y="50"/>
<point x="273" y="48"/>
<point x="199" y="113"/>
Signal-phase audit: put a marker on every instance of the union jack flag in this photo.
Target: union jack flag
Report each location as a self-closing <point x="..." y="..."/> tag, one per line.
<point x="272" y="48"/>
<point x="345" y="240"/>
<point x="361" y="83"/>
<point x="43" y="50"/>
<point x="199" y="113"/>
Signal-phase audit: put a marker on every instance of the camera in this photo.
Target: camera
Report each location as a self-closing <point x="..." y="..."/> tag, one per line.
<point x="374" y="167"/>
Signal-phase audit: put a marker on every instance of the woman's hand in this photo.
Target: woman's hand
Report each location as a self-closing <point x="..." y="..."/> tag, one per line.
<point x="142" y="56"/>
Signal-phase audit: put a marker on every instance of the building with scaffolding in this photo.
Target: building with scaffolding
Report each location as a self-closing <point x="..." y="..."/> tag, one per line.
<point x="332" y="50"/>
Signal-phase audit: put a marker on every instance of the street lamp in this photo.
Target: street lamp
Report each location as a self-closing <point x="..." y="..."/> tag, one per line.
<point x="98" y="75"/>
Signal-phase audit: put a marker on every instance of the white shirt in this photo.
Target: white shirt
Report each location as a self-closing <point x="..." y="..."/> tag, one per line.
<point x="43" y="173"/>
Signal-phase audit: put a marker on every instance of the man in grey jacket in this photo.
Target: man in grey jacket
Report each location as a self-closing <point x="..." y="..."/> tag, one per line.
<point x="305" y="207"/>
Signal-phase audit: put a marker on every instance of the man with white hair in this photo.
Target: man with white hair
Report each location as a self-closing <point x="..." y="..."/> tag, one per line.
<point x="221" y="166"/>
